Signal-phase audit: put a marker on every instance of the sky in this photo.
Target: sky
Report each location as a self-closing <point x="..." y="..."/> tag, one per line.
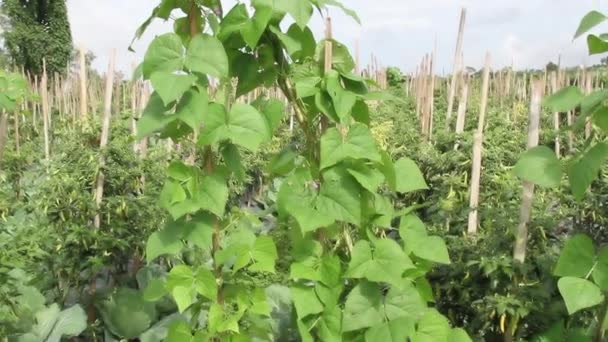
<point x="525" y="33"/>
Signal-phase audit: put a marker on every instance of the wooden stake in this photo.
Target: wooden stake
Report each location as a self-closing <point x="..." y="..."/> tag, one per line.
<point x="554" y="88"/>
<point x="83" y="86"/>
<point x="105" y="134"/>
<point x="462" y="106"/>
<point x="477" y="151"/>
<point x="45" y="111"/>
<point x="3" y="132"/>
<point x="521" y="237"/>
<point x="457" y="66"/>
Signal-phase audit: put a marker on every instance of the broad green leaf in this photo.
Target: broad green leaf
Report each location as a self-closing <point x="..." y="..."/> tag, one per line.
<point x="339" y="197"/>
<point x="596" y="45"/>
<point x="565" y="99"/>
<point x="306" y="39"/>
<point x="291" y="45"/>
<point x="264" y="254"/>
<point x="431" y="248"/>
<point x="155" y="290"/>
<point x="199" y="230"/>
<point x="363" y="307"/>
<point x="432" y="327"/>
<point x="404" y="301"/>
<point x="540" y="166"/>
<point x="305" y="301"/>
<point x="330" y="324"/>
<point x="153" y="118"/>
<point x="205" y="284"/>
<point x="160" y="330"/>
<point x="165" y="53"/>
<point x="459" y="335"/>
<point x="183" y="296"/>
<point x="307" y="86"/>
<point x="341" y="58"/>
<point x="213" y="194"/>
<point x="126" y="314"/>
<point x="253" y="31"/>
<point x="192" y="107"/>
<point x="600" y="271"/>
<point x="368" y="177"/>
<point x="179" y="331"/>
<point x="300" y="11"/>
<point x="397" y="330"/>
<point x="586" y="169"/>
<point x="577" y="257"/>
<point x="164" y="242"/>
<point x="385" y="263"/>
<point x="273" y="111"/>
<point x="591" y="20"/>
<point x="579" y="293"/>
<point x="206" y="55"/>
<point x="282" y="163"/>
<point x="600" y="118"/>
<point x="357" y="143"/>
<point x="232" y="158"/>
<point x="52" y="325"/>
<point x="170" y="86"/>
<point x="338" y="4"/>
<point x="408" y="177"/>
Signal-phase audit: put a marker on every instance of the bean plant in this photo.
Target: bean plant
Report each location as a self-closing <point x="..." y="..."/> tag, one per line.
<point x="357" y="263"/>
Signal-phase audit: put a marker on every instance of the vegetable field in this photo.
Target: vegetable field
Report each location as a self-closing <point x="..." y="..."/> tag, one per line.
<point x="252" y="182"/>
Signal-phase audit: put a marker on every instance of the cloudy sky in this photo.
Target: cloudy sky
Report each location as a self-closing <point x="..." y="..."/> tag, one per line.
<point x="398" y="32"/>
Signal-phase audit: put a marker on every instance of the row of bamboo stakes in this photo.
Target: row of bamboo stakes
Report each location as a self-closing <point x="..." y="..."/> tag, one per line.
<point x="501" y="85"/>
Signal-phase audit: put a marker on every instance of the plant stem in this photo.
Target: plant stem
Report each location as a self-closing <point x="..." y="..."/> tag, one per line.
<point x="599" y="332"/>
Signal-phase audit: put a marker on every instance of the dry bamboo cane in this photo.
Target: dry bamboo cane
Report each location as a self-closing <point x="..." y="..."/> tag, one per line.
<point x="477" y="151"/>
<point x="83" y="86"/>
<point x="45" y="111"/>
<point x="521" y="237"/>
<point x="3" y="132"/>
<point x="103" y="141"/>
<point x="554" y="85"/>
<point x="457" y="66"/>
<point x="462" y="106"/>
<point x="432" y="92"/>
<point x="570" y="133"/>
<point x="588" y="90"/>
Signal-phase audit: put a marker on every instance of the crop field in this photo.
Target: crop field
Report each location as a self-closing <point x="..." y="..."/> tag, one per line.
<point x="250" y="180"/>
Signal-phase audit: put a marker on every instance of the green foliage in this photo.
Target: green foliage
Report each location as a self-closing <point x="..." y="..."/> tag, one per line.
<point x="38" y="30"/>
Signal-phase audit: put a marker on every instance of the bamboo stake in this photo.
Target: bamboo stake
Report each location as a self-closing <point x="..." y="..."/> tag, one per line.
<point x="45" y="111"/>
<point x="477" y="151"/>
<point x="521" y="237"/>
<point x="83" y="86"/>
<point x="462" y="106"/>
<point x="457" y="66"/>
<point x="554" y="85"/>
<point x="3" y="132"/>
<point x="105" y="134"/>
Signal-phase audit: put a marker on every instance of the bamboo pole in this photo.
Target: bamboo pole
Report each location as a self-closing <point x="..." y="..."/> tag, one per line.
<point x="457" y="66"/>
<point x="3" y="132"/>
<point x="521" y="237"/>
<point x="105" y="134"/>
<point x="462" y="105"/>
<point x="83" y="86"/>
<point x="45" y="111"/>
<point x="554" y="88"/>
<point x="477" y="151"/>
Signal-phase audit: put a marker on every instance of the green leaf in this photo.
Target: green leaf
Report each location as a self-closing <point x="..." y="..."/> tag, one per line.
<point x="404" y="301"/>
<point x="273" y="111"/>
<point x="206" y="55"/>
<point x="192" y="107"/>
<point x="600" y="118"/>
<point x="164" y="242"/>
<point x="179" y="331"/>
<point x="306" y="39"/>
<point x="183" y="296"/>
<point x="432" y="327"/>
<point x="206" y="284"/>
<point x="565" y="99"/>
<point x="357" y="143"/>
<point x="600" y="271"/>
<point x="153" y="118"/>
<point x="338" y="4"/>
<point x="213" y="194"/>
<point x="126" y="314"/>
<point x="170" y="86"/>
<point x="431" y="248"/>
<point x="363" y="307"/>
<point x="459" y="335"/>
<point x="305" y="301"/>
<point x="292" y="46"/>
<point x="579" y="293"/>
<point x="591" y="20"/>
<point x="264" y="254"/>
<point x="596" y="45"/>
<point x="300" y="11"/>
<point x="341" y="58"/>
<point x="577" y="257"/>
<point x="155" y="290"/>
<point x="330" y="325"/>
<point x="232" y="158"/>
<point x="408" y="177"/>
<point x="253" y="31"/>
<point x="368" y="177"/>
<point x="307" y="86"/>
<point x="165" y="53"/>
<point x="397" y="330"/>
<point x="52" y="325"/>
<point x="586" y="169"/>
<point x="282" y="163"/>
<point x="540" y="166"/>
<point x="339" y="197"/>
<point x="385" y="263"/>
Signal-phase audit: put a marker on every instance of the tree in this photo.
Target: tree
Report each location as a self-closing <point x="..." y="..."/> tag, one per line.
<point x="394" y="76"/>
<point x="552" y="67"/>
<point x="37" y="30"/>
